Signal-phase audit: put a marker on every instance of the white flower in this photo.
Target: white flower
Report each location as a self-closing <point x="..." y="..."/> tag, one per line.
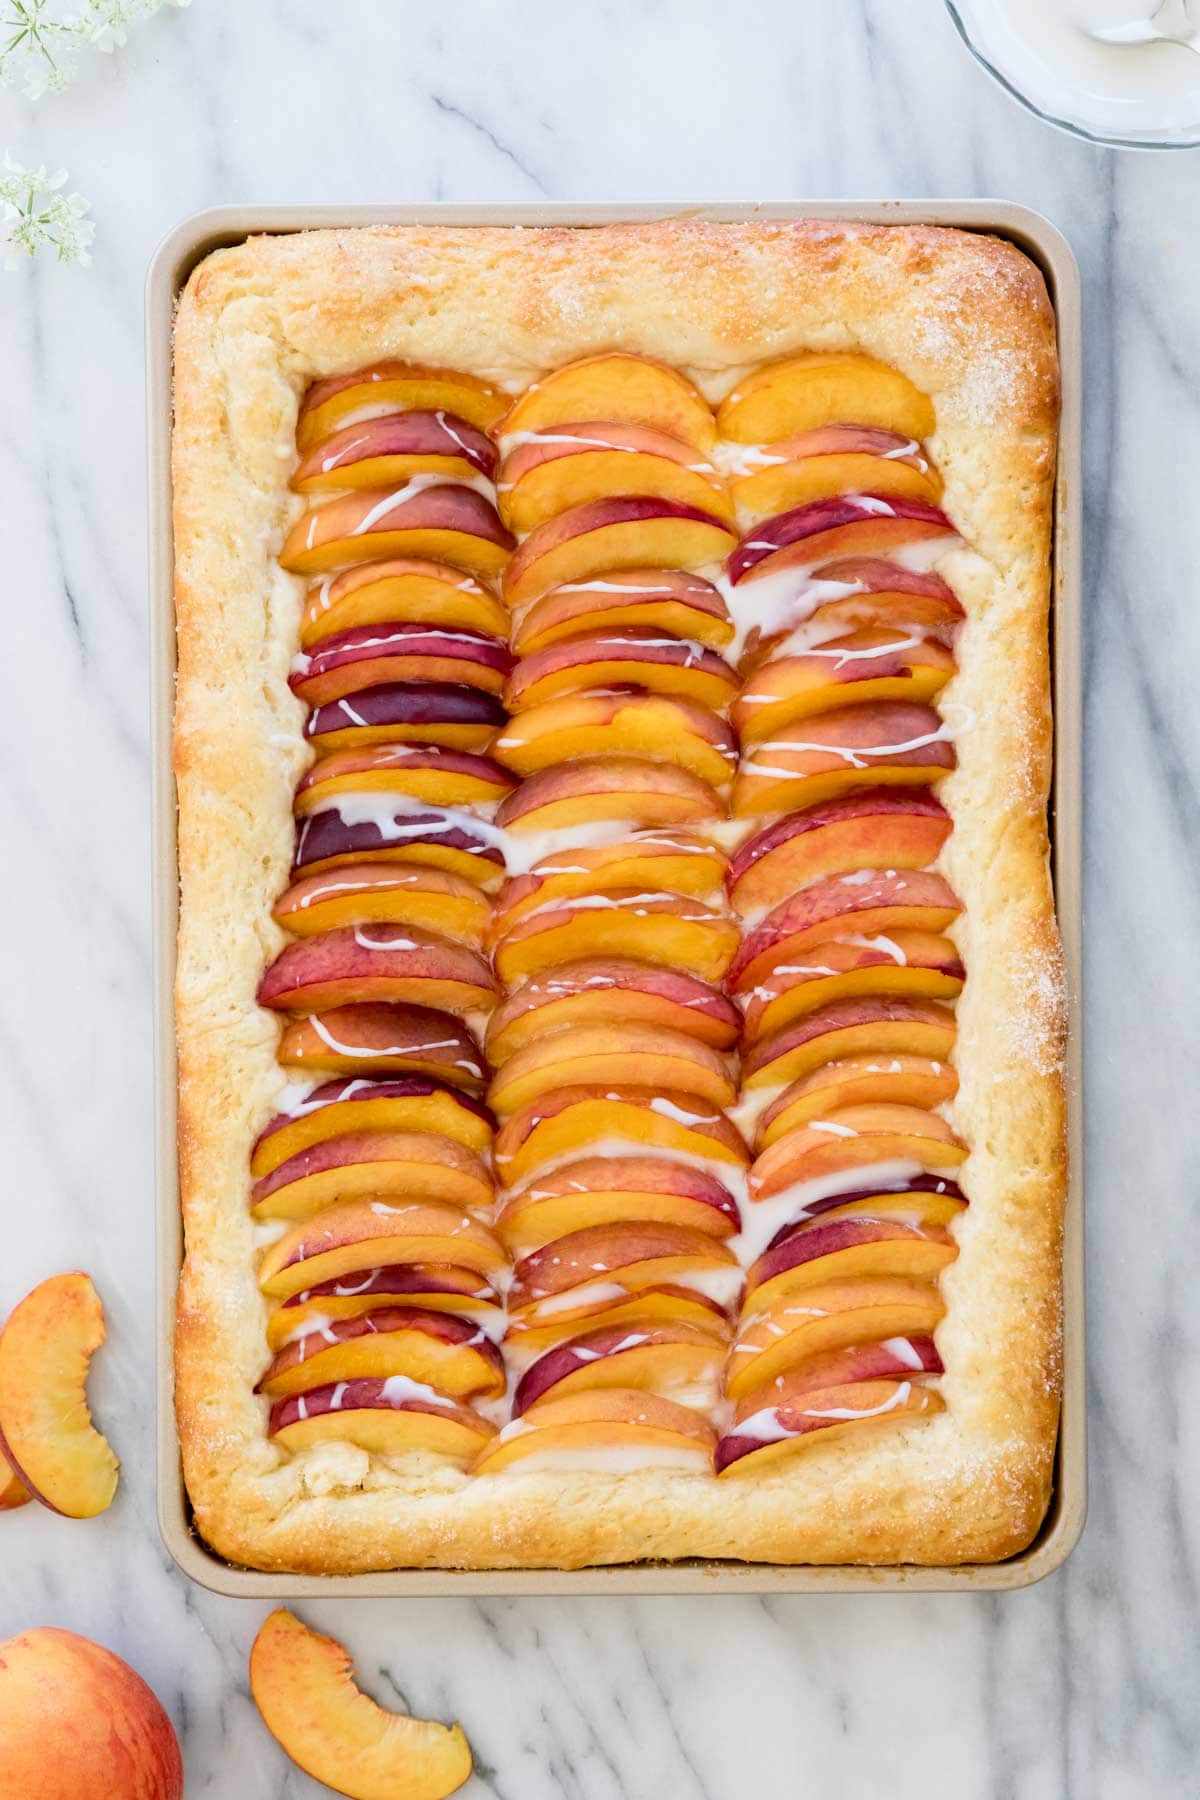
<point x="37" y="214"/>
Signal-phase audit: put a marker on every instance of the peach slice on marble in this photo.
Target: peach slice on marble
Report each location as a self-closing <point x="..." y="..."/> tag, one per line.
<point x="654" y="726"/>
<point x="303" y="1685"/>
<point x="857" y="1081"/>
<point x="341" y="1108"/>
<point x="431" y="1287"/>
<point x="668" y="861"/>
<point x="827" y="1318"/>
<point x="424" y="771"/>
<point x="612" y="990"/>
<point x="671" y="601"/>
<point x="656" y="1358"/>
<point x="444" y="523"/>
<point x="876" y="828"/>
<point x="619" y="923"/>
<point x="361" y="1165"/>
<point x="879" y="1025"/>
<point x="378" y="655"/>
<point x="357" y="964"/>
<point x="858" y="593"/>
<point x="354" y="826"/>
<point x="825" y="1250"/>
<point x="396" y="387"/>
<point x="880" y="743"/>
<point x="590" y="1055"/>
<point x="772" y="1433"/>
<point x="377" y="1039"/>
<point x="357" y="1233"/>
<point x="400" y="591"/>
<point x="594" y="1422"/>
<point x="816" y="388"/>
<point x="866" y="903"/>
<point x="441" y="1349"/>
<point x="630" y="656"/>
<point x="863" y="666"/>
<point x="547" y="473"/>
<point x="407" y="712"/>
<point x="385" y="451"/>
<point x="629" y="532"/>
<point x="46" y="1433"/>
<point x="623" y="790"/>
<point x="856" y="1137"/>
<point x="862" y="525"/>
<point x="13" y="1492"/>
<point x="389" y="1415"/>
<point x="917" y="963"/>
<point x="616" y="386"/>
<point x="834" y="459"/>
<point x="563" y="1125"/>
<point x="610" y="1190"/>
<point x="385" y="893"/>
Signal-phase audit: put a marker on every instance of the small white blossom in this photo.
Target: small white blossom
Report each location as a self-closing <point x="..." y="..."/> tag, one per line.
<point x="39" y="49"/>
<point x="35" y="213"/>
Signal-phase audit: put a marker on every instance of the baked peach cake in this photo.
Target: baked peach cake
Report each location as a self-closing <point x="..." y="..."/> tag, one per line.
<point x="618" y="995"/>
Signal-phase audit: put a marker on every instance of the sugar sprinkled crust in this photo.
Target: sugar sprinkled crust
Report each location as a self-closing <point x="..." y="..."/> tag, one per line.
<point x="967" y="318"/>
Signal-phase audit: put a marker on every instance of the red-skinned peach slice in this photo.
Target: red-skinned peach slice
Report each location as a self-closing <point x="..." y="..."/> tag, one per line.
<point x="863" y="666"/>
<point x="380" y="1039"/>
<point x="569" y="1121"/>
<point x="572" y="465"/>
<point x="393" y="828"/>
<point x="817" y="388"/>
<point x="303" y="1685"/>
<point x="617" y="788"/>
<point x="879" y="1025"/>
<point x="396" y="387"/>
<point x="773" y="1433"/>
<point x="835" y="459"/>
<point x="612" y="990"/>
<point x="400" y="592"/>
<point x="616" y="386"/>
<point x="445" y="523"/>
<point x="824" y="1250"/>
<point x="648" y="725"/>
<point x="386" y="893"/>
<point x="661" y="600"/>
<point x="631" y="656"/>
<point x="855" y="1137"/>
<point x="361" y="963"/>
<point x="878" y="828"/>
<point x="875" y="592"/>
<point x="857" y="1081"/>
<point x="634" y="1254"/>
<point x="341" y="1107"/>
<point x="597" y="1420"/>
<point x="827" y="1318"/>
<point x="365" y="1165"/>
<point x="13" y="1492"/>
<point x="901" y="1357"/>
<point x="673" y="862"/>
<point x="821" y="758"/>
<point x="407" y="712"/>
<point x="660" y="1359"/>
<point x="928" y="1202"/>
<point x="385" y="451"/>
<point x="442" y="1350"/>
<point x="866" y="903"/>
<point x="432" y="1287"/>
<point x="391" y="1416"/>
<point x="916" y="963"/>
<point x="665" y="1305"/>
<point x="609" y="1190"/>
<point x="862" y="525"/>
<point x="425" y="771"/>
<point x="377" y="655"/>
<point x="358" y="1233"/>
<point x="46" y="1431"/>
<point x="629" y="532"/>
<point x="619" y="923"/>
<point x="590" y="1055"/>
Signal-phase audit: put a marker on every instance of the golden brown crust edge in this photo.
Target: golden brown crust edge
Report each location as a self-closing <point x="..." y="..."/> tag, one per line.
<point x="967" y="317"/>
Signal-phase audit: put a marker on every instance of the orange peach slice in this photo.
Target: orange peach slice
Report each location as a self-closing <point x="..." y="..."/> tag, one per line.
<point x="549" y="472"/>
<point x="303" y="1685"/>
<point x="13" y="1492"/>
<point x="446" y="523"/>
<point x="823" y="387"/>
<point x="46" y="1432"/>
<point x="864" y="666"/>
<point x="407" y="712"/>
<point x="871" y="901"/>
<point x="886" y="742"/>
<point x="612" y="990"/>
<point x="917" y="963"/>
<point x="630" y="656"/>
<point x="388" y="449"/>
<point x="396" y="387"/>
<point x="568" y="1121"/>
<point x="381" y="827"/>
<point x="445" y="1352"/>
<point x="366" y="1165"/>
<point x="647" y="725"/>
<point x="658" y="1359"/>
<point x="877" y="828"/>
<point x="400" y="592"/>
<point x="857" y="1081"/>
<point x="391" y="1416"/>
<point x="904" y="1358"/>
<point x="608" y="1262"/>
<point x="610" y="1190"/>
<point x="825" y="1318"/>
<point x="618" y="788"/>
<point x="598" y="1420"/>
<point x="824" y="1250"/>
<point x="339" y="1108"/>
<point x="930" y="1202"/>
<point x="660" y="600"/>
<point x="385" y="894"/>
<point x="666" y="1305"/>
<point x="858" y="593"/>
<point x="430" y="1287"/>
<point x="356" y="1233"/>
<point x="591" y="1055"/>
<point x="626" y="533"/>
<point x="376" y="1039"/>
<point x="617" y="386"/>
<point x="852" y="1138"/>
<point x="770" y="1435"/>
<point x="376" y="655"/>
<point x="852" y="525"/>
<point x="838" y="459"/>
<point x="673" y="862"/>
<point x="619" y="923"/>
<point x="425" y="771"/>
<point x="357" y="964"/>
<point x="879" y="1025"/>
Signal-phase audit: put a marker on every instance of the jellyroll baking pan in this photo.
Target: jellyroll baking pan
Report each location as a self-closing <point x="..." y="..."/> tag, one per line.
<point x="179" y="255"/>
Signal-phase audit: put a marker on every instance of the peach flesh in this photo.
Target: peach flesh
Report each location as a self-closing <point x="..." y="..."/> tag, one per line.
<point x="386" y="449"/>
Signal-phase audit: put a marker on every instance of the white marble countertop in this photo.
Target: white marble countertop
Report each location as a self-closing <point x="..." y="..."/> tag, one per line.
<point x="1084" y="1686"/>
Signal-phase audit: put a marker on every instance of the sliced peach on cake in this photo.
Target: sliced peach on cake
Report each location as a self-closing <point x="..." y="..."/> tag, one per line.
<point x="899" y="1356"/>
<point x="378" y="1038"/>
<point x="917" y="963"/>
<point x="877" y="828"/>
<point x="857" y="1081"/>
<point x="601" y="1263"/>
<point x="375" y="655"/>
<point x="385" y="893"/>
<point x="856" y="1137"/>
<point x="628" y="656"/>
<point x="648" y="725"/>
<point x="396" y="387"/>
<point x="857" y="593"/>
<point x="564" y="1124"/>
<point x="589" y="1426"/>
<point x="869" y="902"/>
<point x="608" y="788"/>
<point x="862" y="666"/>
<point x="863" y="525"/>
<point x="610" y="991"/>
<point x="546" y="473"/>
<point x="882" y="1025"/>
<point x="619" y="923"/>
<point x="303" y="1685"/>
<point x="925" y="1200"/>
<point x="771" y="1433"/>
<point x="616" y="386"/>
<point x="389" y="1415"/>
<point x="444" y="523"/>
<point x="662" y="600"/>
<point x="667" y="861"/>
<point x="609" y="1190"/>
<point x="828" y="1249"/>
<point x="821" y="758"/>
<point x="407" y="712"/>
<point x="356" y="825"/>
<point x="432" y="1287"/>
<point x="47" y="1438"/>
<point x="416" y="1165"/>
<point x="446" y="1352"/>
<point x="425" y="771"/>
<point x="402" y="591"/>
<point x="816" y="388"/>
<point x="826" y="1318"/>
<point x="358" y="1233"/>
<point x="386" y="450"/>
<point x="338" y="1108"/>
<point x="589" y="1055"/>
<point x="665" y="1359"/>
<point x="360" y="963"/>
<point x="834" y="459"/>
<point x="629" y="532"/>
